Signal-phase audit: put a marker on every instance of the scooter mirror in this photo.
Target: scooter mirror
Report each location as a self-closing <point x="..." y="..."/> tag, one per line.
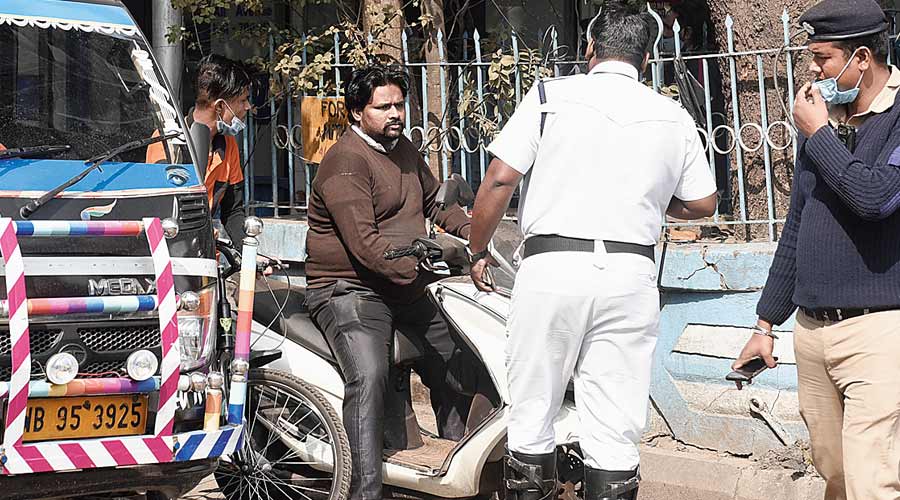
<point x="455" y="190"/>
<point x="200" y="138"/>
<point x="466" y="195"/>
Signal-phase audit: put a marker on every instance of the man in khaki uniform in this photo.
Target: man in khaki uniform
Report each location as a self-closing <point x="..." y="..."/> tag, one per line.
<point x="838" y="259"/>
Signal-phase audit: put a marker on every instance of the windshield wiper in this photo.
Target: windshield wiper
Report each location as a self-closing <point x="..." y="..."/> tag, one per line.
<point x="31" y="151"/>
<point x="93" y="163"/>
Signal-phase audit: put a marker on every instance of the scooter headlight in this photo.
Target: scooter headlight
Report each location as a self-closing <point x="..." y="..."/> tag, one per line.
<point x="196" y="331"/>
<point x="62" y="368"/>
<point x="141" y="365"/>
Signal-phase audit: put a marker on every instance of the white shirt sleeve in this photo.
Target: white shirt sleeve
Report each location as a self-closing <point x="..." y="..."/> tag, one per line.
<point x="697" y="181"/>
<point x="517" y="143"/>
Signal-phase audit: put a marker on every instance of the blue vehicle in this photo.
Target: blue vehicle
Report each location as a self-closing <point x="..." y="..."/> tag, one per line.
<point x="120" y="368"/>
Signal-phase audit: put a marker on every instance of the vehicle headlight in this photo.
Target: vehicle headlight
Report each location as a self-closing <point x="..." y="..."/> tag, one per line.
<point x="197" y="331"/>
<point x="62" y="368"/>
<point x="141" y="365"/>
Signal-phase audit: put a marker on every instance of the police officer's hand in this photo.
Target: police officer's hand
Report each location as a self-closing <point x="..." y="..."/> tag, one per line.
<point x="481" y="274"/>
<point x="810" y="111"/>
<point x="758" y="346"/>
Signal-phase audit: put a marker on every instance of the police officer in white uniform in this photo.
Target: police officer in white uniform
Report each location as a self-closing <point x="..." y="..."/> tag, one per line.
<point x="604" y="158"/>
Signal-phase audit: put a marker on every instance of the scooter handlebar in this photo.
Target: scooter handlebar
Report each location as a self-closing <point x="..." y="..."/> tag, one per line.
<point x="231" y="255"/>
<point x="446" y="253"/>
<point x="417" y="250"/>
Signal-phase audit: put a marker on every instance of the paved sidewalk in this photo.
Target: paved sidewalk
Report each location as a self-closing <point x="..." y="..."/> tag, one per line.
<point x="691" y="474"/>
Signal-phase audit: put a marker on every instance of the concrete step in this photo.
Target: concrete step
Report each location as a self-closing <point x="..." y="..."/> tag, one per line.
<point x="700" y="475"/>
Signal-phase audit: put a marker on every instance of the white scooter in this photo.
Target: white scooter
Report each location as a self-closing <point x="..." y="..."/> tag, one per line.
<point x="313" y="453"/>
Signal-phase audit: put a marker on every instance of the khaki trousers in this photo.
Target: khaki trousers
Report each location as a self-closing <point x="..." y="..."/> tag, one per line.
<point x="849" y="388"/>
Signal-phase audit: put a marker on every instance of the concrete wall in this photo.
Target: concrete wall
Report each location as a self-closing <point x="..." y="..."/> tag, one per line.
<point x="709" y="296"/>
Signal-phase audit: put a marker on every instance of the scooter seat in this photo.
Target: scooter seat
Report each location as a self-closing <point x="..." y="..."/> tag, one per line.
<point x="294" y="322"/>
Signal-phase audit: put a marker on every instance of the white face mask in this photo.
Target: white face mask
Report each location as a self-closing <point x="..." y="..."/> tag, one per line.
<point x="829" y="87"/>
<point x="233" y="128"/>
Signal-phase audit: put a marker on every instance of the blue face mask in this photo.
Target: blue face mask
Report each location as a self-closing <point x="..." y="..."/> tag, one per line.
<point x="234" y="128"/>
<point x="830" y="91"/>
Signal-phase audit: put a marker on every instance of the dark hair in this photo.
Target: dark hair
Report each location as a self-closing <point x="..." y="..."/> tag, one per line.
<point x="219" y="77"/>
<point x="879" y="44"/>
<point x="624" y="33"/>
<point x="358" y="89"/>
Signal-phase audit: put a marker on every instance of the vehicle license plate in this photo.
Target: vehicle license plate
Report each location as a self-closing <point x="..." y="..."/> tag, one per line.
<point x="85" y="417"/>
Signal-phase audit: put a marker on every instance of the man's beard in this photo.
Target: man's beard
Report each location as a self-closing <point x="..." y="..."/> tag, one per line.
<point x="392" y="130"/>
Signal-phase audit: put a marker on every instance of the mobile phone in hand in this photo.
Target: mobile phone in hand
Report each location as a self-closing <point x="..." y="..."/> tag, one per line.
<point x="746" y="373"/>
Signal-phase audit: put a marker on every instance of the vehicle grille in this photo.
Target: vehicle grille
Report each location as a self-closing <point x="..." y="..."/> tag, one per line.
<point x="193" y="211"/>
<point x="120" y="338"/>
<point x="101" y="348"/>
<point x="103" y="369"/>
<point x="37" y="371"/>
<point x="42" y="340"/>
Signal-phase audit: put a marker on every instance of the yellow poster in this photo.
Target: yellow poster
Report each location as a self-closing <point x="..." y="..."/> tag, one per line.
<point x="322" y="120"/>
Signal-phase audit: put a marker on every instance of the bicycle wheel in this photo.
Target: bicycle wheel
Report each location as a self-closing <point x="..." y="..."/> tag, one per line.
<point x="294" y="445"/>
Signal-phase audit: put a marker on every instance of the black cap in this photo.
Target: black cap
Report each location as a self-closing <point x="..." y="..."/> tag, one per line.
<point x="831" y="20"/>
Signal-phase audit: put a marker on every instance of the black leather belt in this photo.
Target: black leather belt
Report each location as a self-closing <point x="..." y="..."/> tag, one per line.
<point x="840" y="314"/>
<point x="554" y="243"/>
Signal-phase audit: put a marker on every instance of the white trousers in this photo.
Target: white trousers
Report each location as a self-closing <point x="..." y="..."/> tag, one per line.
<point x="594" y="317"/>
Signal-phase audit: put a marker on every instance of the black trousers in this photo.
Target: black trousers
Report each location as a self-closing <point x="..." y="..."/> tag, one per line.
<point x="359" y="327"/>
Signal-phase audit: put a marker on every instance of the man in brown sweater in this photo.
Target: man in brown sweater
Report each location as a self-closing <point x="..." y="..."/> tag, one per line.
<point x="372" y="193"/>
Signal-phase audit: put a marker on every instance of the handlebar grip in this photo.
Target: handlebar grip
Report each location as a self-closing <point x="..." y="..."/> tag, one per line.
<point x="274" y="264"/>
<point x="396" y="253"/>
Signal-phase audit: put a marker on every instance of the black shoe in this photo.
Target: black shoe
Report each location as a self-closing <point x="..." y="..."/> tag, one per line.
<point x="610" y="484"/>
<point x="529" y="477"/>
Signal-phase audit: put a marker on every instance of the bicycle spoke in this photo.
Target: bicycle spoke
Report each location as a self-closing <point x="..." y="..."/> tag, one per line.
<point x="256" y="488"/>
<point x="273" y="430"/>
<point x="275" y="434"/>
<point x="281" y="462"/>
<point x="265" y="483"/>
<point x="290" y="453"/>
<point x="278" y="482"/>
<point x="275" y="482"/>
<point x="251" y="411"/>
<point x="259" y="470"/>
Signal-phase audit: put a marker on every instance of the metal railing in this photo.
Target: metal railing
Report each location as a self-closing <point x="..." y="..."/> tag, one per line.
<point x="744" y="146"/>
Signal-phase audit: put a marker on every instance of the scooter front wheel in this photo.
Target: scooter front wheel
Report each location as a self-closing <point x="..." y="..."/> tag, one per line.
<point x="294" y="445"/>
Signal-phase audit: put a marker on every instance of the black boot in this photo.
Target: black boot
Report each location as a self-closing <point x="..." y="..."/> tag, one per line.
<point x="529" y="477"/>
<point x="610" y="484"/>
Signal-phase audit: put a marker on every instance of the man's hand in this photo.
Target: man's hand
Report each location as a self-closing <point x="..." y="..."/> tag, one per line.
<point x="263" y="265"/>
<point x="478" y="271"/>
<point x="757" y="346"/>
<point x="810" y="111"/>
<point x="496" y="190"/>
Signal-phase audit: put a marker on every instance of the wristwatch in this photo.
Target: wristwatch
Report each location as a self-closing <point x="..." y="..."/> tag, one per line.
<point x="758" y="330"/>
<point x="475" y="257"/>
